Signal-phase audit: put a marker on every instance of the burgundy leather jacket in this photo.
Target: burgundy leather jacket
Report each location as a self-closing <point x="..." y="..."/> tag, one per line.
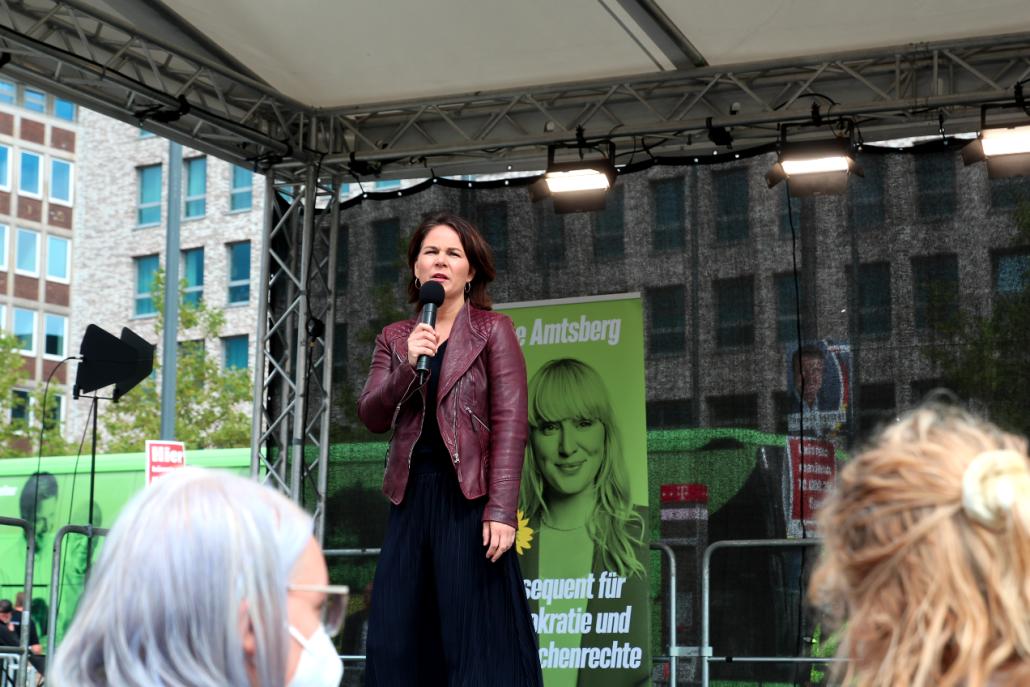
<point x="481" y="408"/>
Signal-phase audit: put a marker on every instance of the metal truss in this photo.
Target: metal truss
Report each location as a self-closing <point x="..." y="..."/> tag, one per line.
<point x="890" y="92"/>
<point x="293" y="371"/>
<point x="75" y="50"/>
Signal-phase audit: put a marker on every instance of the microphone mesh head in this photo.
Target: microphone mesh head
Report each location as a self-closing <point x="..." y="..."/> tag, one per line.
<point x="431" y="292"/>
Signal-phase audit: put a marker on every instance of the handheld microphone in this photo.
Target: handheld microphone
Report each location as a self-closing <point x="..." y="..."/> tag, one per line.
<point x="430" y="296"/>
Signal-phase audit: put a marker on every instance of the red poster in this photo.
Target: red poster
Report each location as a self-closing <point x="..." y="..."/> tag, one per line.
<point x="813" y="476"/>
<point x="163" y="457"/>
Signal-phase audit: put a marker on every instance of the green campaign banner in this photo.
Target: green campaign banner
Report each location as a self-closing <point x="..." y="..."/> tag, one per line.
<point x="59" y="488"/>
<point x="582" y="538"/>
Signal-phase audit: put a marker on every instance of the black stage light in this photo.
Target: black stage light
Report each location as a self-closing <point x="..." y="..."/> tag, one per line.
<point x="1006" y="150"/>
<point x="577" y="186"/>
<point x="815" y="167"/>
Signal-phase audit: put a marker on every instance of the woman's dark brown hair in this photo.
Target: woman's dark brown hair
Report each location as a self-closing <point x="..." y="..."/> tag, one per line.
<point x="477" y="251"/>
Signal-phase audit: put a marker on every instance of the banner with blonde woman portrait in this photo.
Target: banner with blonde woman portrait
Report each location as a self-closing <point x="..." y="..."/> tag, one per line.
<point x="582" y="539"/>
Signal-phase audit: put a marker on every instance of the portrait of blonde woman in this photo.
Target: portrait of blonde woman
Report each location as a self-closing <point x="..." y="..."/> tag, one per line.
<point x="576" y="498"/>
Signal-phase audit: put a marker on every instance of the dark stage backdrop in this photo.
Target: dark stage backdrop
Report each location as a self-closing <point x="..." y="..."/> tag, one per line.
<point x="910" y="281"/>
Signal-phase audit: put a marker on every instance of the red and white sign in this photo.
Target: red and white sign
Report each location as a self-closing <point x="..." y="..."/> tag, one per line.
<point x="813" y="474"/>
<point x="163" y="457"/>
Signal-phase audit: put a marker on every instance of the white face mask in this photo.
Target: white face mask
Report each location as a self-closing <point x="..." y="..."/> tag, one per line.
<point x="319" y="664"/>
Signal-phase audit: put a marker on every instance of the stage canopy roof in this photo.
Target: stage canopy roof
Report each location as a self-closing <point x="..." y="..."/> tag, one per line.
<point x="456" y="86"/>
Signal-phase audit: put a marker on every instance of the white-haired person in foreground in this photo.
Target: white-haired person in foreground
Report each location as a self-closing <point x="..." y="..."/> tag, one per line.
<point x="927" y="555"/>
<point x="206" y="579"/>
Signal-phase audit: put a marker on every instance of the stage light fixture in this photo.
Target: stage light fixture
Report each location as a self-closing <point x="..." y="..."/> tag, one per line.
<point x="1005" y="150"/>
<point x="814" y="167"/>
<point x="576" y="186"/>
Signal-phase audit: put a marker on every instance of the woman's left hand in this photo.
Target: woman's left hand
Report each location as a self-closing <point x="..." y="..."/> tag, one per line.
<point x="499" y="537"/>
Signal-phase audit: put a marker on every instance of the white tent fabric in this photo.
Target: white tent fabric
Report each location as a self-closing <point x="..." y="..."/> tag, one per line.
<point x="332" y="54"/>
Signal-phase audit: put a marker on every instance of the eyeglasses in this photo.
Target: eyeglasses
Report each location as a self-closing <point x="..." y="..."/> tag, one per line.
<point x="335" y="610"/>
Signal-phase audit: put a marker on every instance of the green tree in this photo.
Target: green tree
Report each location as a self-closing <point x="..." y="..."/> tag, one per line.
<point x="212" y="404"/>
<point x="984" y="356"/>
<point x="20" y="436"/>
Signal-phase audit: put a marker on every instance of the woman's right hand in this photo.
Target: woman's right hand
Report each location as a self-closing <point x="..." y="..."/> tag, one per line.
<point x="421" y="341"/>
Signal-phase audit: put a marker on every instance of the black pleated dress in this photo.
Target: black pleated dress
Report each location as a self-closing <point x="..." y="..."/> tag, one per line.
<point x="442" y="614"/>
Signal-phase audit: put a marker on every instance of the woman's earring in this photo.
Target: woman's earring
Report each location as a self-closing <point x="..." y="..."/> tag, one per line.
<point x="418" y="284"/>
<point x="468" y="287"/>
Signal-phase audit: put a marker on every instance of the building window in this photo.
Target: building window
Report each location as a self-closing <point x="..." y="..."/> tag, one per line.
<point x="58" y="258"/>
<point x="239" y="272"/>
<point x="55" y="335"/>
<point x="342" y="257"/>
<point x="148" y="209"/>
<point x="874" y="299"/>
<point x="935" y="290"/>
<point x="387" y="239"/>
<point x="196" y="188"/>
<point x="790" y="217"/>
<point x="935" y="185"/>
<point x="669" y="226"/>
<point x="7" y="92"/>
<point x="236" y="352"/>
<point x="876" y="406"/>
<point x="1008" y="192"/>
<point x="734" y="312"/>
<point x="25" y="330"/>
<point x="667" y="319"/>
<point x="609" y="227"/>
<point x="670" y="414"/>
<point x="731" y="205"/>
<point x="786" y="307"/>
<point x="340" y="346"/>
<point x="550" y="236"/>
<point x="64" y="109"/>
<point x="740" y="412"/>
<point x="33" y="100"/>
<point x="5" y="168"/>
<point x="241" y="194"/>
<point x="193" y="273"/>
<point x="1011" y="273"/>
<point x="26" y="259"/>
<point x="146" y="272"/>
<point x="20" y="406"/>
<point x="865" y="194"/>
<point x="3" y="247"/>
<point x="493" y="223"/>
<point x="29" y="182"/>
<point x="60" y="181"/>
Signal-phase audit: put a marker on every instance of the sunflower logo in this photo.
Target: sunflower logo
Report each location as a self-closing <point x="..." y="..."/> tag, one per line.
<point x="523" y="535"/>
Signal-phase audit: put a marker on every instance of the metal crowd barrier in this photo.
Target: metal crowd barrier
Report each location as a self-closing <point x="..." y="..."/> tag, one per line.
<point x="22" y="650"/>
<point x="55" y="576"/>
<point x="706" y="649"/>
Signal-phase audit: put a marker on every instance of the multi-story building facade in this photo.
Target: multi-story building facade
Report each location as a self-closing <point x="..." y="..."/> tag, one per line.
<point x="39" y="143"/>
<point x="120" y="241"/>
<point x="712" y="250"/>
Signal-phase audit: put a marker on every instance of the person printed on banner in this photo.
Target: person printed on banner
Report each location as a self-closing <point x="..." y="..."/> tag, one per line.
<point x="206" y="578"/>
<point x="926" y="560"/>
<point x="576" y="498"/>
<point x="448" y="600"/>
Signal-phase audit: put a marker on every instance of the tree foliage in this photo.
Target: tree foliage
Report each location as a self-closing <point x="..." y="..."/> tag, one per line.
<point x="212" y="403"/>
<point x="19" y="436"/>
<point x="985" y="357"/>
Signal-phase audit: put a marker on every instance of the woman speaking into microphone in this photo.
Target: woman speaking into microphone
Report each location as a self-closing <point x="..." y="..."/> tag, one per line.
<point x="448" y="604"/>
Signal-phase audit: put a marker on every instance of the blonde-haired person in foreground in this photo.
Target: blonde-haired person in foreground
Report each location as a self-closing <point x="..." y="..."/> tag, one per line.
<point x="927" y="555"/>
<point x="206" y="579"/>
